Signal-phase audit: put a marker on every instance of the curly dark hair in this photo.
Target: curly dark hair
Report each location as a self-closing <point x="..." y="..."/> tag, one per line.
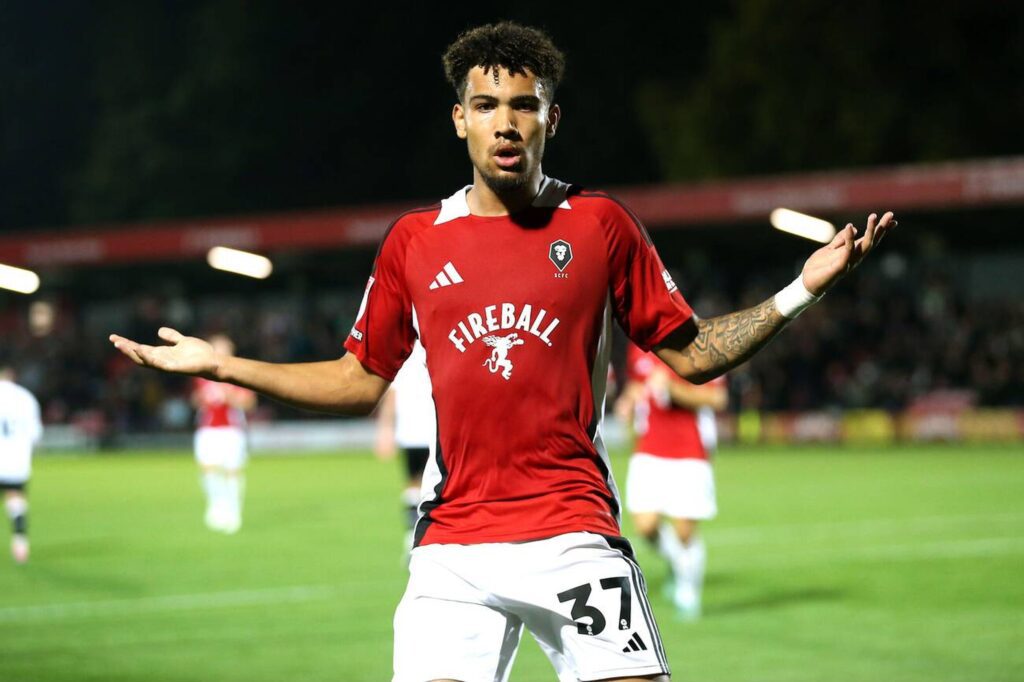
<point x="505" y="44"/>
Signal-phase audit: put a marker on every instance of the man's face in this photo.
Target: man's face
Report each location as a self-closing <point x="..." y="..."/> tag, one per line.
<point x="505" y="120"/>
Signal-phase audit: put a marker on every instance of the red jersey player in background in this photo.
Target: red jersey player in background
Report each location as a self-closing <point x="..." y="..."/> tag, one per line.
<point x="220" y="444"/>
<point x="511" y="285"/>
<point x="670" y="486"/>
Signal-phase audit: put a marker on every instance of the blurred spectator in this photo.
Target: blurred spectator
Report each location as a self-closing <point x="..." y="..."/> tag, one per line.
<point x="895" y="334"/>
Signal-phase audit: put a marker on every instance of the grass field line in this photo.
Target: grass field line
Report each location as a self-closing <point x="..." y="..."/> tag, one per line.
<point x="771" y="532"/>
<point x="171" y="602"/>
<point x="955" y="549"/>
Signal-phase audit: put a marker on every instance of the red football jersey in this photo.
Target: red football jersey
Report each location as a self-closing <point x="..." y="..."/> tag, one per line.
<point x="514" y="313"/>
<point x="663" y="429"/>
<point x="213" y="408"/>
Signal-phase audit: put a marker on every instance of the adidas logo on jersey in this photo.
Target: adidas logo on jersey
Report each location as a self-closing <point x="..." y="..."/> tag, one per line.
<point x="635" y="644"/>
<point x="448" y="276"/>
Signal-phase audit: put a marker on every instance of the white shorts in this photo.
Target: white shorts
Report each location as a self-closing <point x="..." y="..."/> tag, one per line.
<point x="678" y="488"/>
<point x="221" y="446"/>
<point x="15" y="461"/>
<point x="584" y="601"/>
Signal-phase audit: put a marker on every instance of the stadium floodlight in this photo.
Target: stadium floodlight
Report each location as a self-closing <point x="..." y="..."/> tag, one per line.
<point x="239" y="262"/>
<point x="16" y="279"/>
<point x="803" y="225"/>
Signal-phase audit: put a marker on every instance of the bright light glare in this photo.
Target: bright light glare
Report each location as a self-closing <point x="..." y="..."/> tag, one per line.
<point x="16" y="279"/>
<point x="239" y="262"/>
<point x="803" y="225"/>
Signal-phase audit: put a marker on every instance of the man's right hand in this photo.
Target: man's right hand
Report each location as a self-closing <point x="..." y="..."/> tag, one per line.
<point x="183" y="355"/>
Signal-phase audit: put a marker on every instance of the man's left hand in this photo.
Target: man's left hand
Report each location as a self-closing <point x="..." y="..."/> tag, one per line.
<point x="830" y="263"/>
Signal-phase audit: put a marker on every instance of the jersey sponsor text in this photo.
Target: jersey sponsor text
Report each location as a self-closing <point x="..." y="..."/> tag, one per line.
<point x="500" y="317"/>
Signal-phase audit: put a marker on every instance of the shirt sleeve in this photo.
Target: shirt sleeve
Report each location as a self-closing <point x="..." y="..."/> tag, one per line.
<point x="647" y="303"/>
<point x="383" y="333"/>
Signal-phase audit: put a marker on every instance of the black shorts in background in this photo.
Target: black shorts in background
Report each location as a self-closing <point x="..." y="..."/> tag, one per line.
<point x="415" y="461"/>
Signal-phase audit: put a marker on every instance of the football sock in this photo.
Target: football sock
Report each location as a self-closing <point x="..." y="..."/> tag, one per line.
<point x="697" y="560"/>
<point x="670" y="546"/>
<point x="687" y="562"/>
<point x="690" y="575"/>
<point x="17" y="512"/>
<point x="233" y="485"/>
<point x="211" y="486"/>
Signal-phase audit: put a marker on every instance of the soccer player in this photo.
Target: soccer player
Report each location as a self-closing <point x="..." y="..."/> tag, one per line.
<point x="405" y="419"/>
<point x="220" y="444"/>
<point x="670" y="486"/>
<point x="511" y="285"/>
<point x="20" y="429"/>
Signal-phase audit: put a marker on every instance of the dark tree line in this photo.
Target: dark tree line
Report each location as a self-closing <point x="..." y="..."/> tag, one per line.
<point x="120" y="111"/>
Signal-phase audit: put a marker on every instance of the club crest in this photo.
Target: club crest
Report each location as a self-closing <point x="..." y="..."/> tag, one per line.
<point x="560" y="254"/>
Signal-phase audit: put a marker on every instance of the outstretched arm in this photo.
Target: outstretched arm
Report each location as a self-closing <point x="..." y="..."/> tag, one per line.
<point x="700" y="350"/>
<point x="340" y="386"/>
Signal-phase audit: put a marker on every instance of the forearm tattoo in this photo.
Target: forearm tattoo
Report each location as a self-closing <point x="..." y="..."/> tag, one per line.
<point x="729" y="340"/>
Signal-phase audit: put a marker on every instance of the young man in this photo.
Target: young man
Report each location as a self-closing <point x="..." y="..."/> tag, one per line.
<point x="670" y="486"/>
<point x="511" y="285"/>
<point x="220" y="444"/>
<point x="20" y="429"/>
<point x="406" y="420"/>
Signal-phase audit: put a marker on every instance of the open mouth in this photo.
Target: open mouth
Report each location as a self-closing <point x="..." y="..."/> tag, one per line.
<point x="508" y="158"/>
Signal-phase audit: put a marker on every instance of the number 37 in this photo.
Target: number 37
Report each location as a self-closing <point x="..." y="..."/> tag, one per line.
<point x="581" y="609"/>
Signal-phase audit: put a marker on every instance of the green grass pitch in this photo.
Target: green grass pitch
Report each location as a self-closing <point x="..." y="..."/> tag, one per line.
<point x="824" y="564"/>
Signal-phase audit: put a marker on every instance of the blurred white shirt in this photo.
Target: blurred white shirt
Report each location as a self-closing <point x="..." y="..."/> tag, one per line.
<point x="415" y="423"/>
<point x="20" y="429"/>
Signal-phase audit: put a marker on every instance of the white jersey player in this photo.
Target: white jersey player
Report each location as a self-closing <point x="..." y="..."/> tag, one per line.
<point x="406" y="421"/>
<point x="20" y="429"/>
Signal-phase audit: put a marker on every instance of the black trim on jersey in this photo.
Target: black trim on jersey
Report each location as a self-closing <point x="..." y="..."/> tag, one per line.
<point x="610" y="500"/>
<point x="636" y="219"/>
<point x="425" y="209"/>
<point x="428" y="506"/>
<point x="574" y="190"/>
<point x="12" y="485"/>
<point x="606" y="474"/>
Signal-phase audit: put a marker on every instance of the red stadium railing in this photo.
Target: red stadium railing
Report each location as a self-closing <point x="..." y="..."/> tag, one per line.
<point x="972" y="184"/>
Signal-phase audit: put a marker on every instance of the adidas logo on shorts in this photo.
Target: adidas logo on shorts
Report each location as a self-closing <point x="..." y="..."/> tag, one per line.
<point x="635" y="644"/>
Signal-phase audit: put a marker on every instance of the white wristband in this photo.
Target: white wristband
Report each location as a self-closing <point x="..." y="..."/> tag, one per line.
<point x="795" y="298"/>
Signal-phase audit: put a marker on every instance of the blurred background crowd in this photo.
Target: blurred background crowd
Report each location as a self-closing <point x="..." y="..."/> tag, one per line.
<point x="904" y="333"/>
